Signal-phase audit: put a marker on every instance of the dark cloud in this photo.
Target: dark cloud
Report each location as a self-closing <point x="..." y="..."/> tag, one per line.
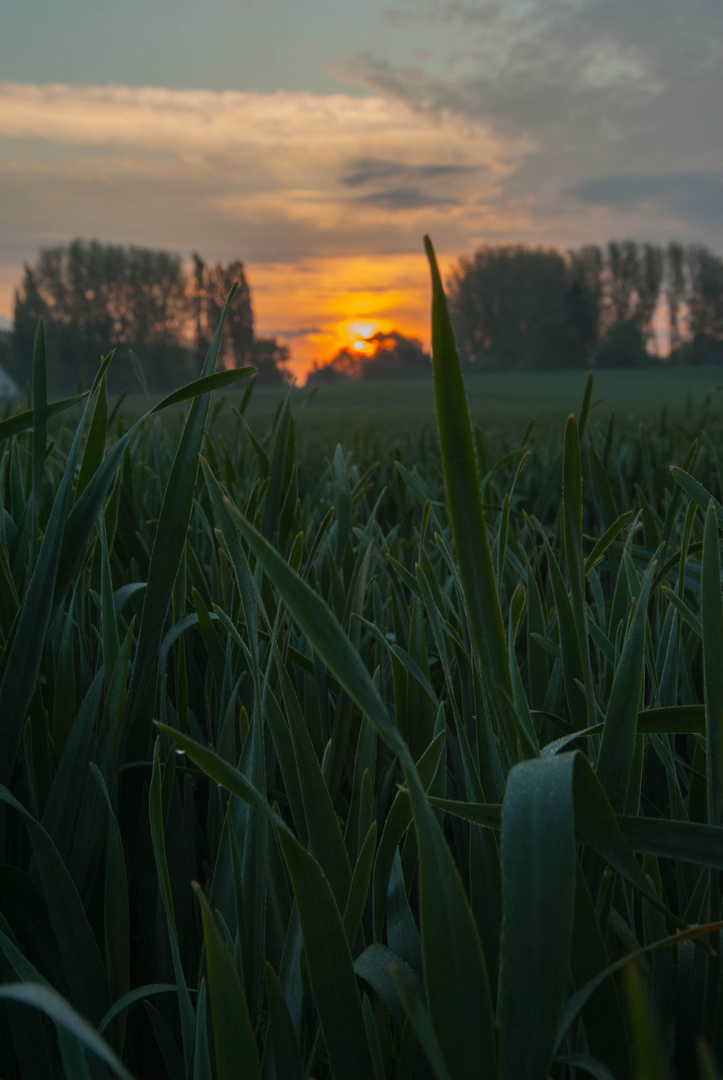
<point x="404" y="198"/>
<point x="693" y="197"/>
<point x="368" y="170"/>
<point x="626" y="93"/>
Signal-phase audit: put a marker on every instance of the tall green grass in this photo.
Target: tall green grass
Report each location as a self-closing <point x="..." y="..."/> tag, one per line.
<point x="410" y="770"/>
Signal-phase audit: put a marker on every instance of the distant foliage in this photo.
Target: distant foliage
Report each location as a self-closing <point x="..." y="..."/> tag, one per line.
<point x="95" y="297"/>
<point x="390" y="355"/>
<point x="520" y="307"/>
<point x="622" y="346"/>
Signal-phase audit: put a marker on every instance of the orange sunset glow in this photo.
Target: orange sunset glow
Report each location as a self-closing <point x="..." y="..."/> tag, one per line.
<point x="345" y="301"/>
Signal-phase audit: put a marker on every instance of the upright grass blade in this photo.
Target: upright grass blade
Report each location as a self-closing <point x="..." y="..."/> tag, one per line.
<point x="95" y="442"/>
<point x="455" y="972"/>
<point x="40" y="411"/>
<point x="652" y="1060"/>
<point x="167" y="551"/>
<point x="615" y="759"/>
<point x="712" y="624"/>
<point x="25" y="648"/>
<point x="236" y="1052"/>
<point x="155" y="813"/>
<point x="330" y="967"/>
<point x="79" y="953"/>
<point x="464" y="502"/>
<point x="572" y="534"/>
<point x="287" y="1060"/>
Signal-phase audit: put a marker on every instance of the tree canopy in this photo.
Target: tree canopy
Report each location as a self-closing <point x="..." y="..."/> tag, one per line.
<point x="389" y="355"/>
<point x="516" y="307"/>
<point x="95" y="297"/>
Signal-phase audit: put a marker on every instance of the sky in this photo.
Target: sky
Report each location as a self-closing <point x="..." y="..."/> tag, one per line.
<point x="319" y="141"/>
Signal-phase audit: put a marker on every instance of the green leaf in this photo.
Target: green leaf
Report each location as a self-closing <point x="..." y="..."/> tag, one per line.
<point x="63" y="1016"/>
<point x="168" y="545"/>
<point x="464" y="502"/>
<point x="81" y="959"/>
<point x="95" y="441"/>
<point x="455" y="972"/>
<point x="24" y="651"/>
<point x="712" y="624"/>
<point x="155" y="813"/>
<point x="330" y="967"/>
<point x="538" y="894"/>
<point x="218" y="380"/>
<point x="614" y="763"/>
<point x="572" y="537"/>
<point x="287" y="1060"/>
<point x="21" y="421"/>
<point x="236" y="1052"/>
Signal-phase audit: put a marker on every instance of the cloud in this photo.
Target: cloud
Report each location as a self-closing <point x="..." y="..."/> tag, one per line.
<point x="372" y="169"/>
<point x="273" y="169"/>
<point x="303" y="184"/>
<point x="599" y="88"/>
<point x="545" y="121"/>
<point x="404" y="198"/>
<point x="693" y="197"/>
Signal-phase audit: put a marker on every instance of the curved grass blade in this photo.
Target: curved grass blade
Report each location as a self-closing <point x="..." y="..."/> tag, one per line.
<point x="236" y="1052"/>
<point x="168" y="545"/>
<point x="464" y="501"/>
<point x="63" y="1016"/>
<point x="13" y="425"/>
<point x="139" y="994"/>
<point x="219" y="380"/>
<point x="24" y="651"/>
<point x="331" y="972"/>
<point x="579" y="999"/>
<point x="459" y="995"/>
<point x="695" y="490"/>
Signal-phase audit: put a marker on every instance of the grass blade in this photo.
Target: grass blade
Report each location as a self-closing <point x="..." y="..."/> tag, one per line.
<point x="464" y="502"/>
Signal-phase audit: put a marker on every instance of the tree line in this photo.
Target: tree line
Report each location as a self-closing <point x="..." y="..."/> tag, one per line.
<point x="519" y="307"/>
<point x="391" y="355"/>
<point x="94" y="297"/>
<point x="514" y="307"/>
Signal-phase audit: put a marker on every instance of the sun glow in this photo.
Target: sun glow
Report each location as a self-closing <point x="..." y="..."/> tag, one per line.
<point x="341" y="303"/>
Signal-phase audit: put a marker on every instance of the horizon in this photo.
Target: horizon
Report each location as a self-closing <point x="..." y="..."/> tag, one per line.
<point x="318" y="143"/>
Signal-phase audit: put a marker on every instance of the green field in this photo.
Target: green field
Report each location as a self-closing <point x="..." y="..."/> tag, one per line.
<point x="393" y="761"/>
<point x="496" y="400"/>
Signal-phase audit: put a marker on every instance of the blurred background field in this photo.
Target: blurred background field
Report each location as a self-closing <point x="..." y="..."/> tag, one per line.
<point x="354" y="413"/>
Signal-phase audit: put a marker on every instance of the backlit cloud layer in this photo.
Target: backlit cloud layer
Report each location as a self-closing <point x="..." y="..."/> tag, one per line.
<point x="272" y="178"/>
<point x="546" y="121"/>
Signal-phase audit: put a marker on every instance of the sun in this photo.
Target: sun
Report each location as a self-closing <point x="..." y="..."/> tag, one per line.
<point x="359" y="332"/>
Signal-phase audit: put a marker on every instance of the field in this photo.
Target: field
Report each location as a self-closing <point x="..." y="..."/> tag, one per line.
<point x="397" y="759"/>
<point x="498" y="401"/>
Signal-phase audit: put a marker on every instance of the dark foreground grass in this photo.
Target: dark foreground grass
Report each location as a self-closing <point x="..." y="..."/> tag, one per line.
<point x="315" y="765"/>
